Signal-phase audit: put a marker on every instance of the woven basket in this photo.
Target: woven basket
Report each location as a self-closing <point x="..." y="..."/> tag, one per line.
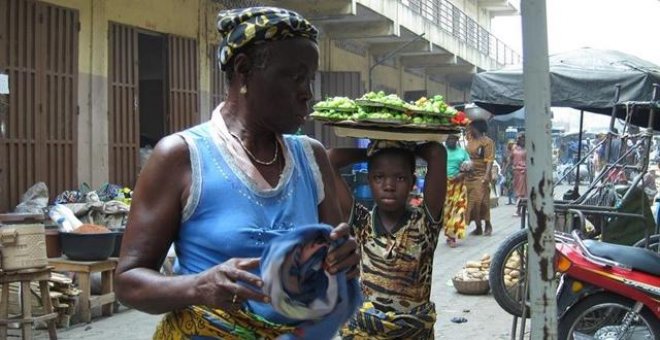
<point x="471" y="287"/>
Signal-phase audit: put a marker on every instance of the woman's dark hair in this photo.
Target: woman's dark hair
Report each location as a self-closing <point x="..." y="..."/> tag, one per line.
<point x="480" y="125"/>
<point x="408" y="156"/>
<point x="258" y="54"/>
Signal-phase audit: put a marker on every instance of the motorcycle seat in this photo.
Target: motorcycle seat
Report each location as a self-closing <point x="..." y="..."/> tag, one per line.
<point x="637" y="258"/>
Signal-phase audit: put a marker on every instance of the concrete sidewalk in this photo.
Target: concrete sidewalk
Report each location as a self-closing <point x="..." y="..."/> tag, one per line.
<point x="486" y="320"/>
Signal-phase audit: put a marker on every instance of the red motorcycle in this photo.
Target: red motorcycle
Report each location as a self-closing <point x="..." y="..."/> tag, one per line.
<point x="607" y="291"/>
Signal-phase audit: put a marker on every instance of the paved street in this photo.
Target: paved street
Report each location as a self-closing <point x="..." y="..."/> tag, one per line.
<point x="485" y="319"/>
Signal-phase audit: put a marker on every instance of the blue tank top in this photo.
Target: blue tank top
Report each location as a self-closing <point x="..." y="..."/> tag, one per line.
<point x="227" y="216"/>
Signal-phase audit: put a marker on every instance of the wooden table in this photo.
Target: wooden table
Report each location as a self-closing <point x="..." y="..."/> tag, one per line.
<point x="84" y="269"/>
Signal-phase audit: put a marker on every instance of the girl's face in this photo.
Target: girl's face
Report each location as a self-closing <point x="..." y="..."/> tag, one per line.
<point x="391" y="181"/>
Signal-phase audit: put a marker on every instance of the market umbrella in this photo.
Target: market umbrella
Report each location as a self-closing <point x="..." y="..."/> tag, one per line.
<point x="584" y="79"/>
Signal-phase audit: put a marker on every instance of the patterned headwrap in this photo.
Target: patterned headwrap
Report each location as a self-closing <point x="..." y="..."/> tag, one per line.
<point x="242" y="27"/>
<point x="377" y="145"/>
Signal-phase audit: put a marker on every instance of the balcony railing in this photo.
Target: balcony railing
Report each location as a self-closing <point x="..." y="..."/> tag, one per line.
<point x="452" y="20"/>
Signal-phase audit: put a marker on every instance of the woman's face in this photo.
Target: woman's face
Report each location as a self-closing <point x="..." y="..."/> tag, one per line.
<point x="280" y="93"/>
<point x="451" y="142"/>
<point x="391" y="181"/>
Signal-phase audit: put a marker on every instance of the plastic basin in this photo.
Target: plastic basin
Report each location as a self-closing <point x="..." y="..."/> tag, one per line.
<point x="88" y="247"/>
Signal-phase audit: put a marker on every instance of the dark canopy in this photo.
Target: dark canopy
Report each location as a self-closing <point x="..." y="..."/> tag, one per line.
<point x="584" y="79"/>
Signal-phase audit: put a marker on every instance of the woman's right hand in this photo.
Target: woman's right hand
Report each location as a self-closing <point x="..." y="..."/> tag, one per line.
<point x="229" y="284"/>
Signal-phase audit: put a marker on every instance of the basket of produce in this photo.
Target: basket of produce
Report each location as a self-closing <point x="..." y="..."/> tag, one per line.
<point x="473" y="278"/>
<point x="512" y="271"/>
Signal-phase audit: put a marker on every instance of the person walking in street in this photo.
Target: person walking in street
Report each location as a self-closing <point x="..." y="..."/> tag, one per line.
<point x="223" y="190"/>
<point x="458" y="162"/>
<point x="397" y="241"/>
<point x="519" y="167"/>
<point x="482" y="153"/>
<point x="508" y="173"/>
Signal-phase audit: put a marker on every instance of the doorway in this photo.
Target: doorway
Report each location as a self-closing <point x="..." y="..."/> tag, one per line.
<point x="151" y="79"/>
<point x="154" y="91"/>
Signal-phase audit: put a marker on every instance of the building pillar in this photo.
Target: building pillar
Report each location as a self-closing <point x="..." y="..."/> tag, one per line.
<point x="98" y="97"/>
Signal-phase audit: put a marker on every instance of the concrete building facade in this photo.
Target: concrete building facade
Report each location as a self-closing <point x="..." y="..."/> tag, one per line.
<point x="138" y="70"/>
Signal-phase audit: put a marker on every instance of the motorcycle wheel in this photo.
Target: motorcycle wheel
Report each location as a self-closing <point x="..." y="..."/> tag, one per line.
<point x="509" y="296"/>
<point x="598" y="317"/>
<point x="654" y="243"/>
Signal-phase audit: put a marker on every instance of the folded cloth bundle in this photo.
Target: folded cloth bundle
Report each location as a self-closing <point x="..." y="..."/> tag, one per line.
<point x="292" y="268"/>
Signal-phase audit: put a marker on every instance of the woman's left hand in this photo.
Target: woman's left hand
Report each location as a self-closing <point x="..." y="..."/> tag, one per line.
<point x="346" y="256"/>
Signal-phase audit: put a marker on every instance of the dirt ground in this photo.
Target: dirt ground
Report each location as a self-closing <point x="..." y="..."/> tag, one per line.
<point x="485" y="319"/>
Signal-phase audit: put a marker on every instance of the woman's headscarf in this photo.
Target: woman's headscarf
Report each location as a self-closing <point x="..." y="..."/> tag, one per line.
<point x="247" y="26"/>
<point x="377" y="145"/>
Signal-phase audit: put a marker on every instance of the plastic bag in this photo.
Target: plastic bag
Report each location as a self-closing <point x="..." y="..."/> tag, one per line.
<point x="34" y="200"/>
<point x="64" y="218"/>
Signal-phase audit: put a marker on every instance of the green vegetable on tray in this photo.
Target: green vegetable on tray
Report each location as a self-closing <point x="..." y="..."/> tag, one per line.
<point x="434" y="105"/>
<point x="338" y="103"/>
<point x="374" y="107"/>
<point x="380" y="97"/>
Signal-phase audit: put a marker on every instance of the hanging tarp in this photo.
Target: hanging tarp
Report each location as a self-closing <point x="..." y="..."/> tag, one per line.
<point x="583" y="79"/>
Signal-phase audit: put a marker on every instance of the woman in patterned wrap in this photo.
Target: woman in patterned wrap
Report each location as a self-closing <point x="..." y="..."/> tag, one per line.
<point x="482" y="153"/>
<point x="222" y="190"/>
<point x="456" y="202"/>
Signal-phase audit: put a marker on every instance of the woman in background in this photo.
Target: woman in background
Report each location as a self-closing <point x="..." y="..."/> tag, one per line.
<point x="482" y="153"/>
<point x="456" y="201"/>
<point x="519" y="168"/>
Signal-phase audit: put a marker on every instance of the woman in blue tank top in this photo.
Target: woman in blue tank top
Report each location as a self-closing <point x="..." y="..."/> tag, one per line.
<point x="220" y="191"/>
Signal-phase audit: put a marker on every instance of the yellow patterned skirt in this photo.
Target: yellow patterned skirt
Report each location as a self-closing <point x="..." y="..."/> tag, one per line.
<point x="455" y="205"/>
<point x="370" y="323"/>
<point x="215" y="323"/>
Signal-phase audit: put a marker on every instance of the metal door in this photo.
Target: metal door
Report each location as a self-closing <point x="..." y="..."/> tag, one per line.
<point x="183" y="83"/>
<point x="123" y="105"/>
<point x="39" y="52"/>
<point x="217" y="79"/>
<point x="59" y="83"/>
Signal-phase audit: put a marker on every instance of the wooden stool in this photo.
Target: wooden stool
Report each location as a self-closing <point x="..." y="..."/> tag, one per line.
<point x="26" y="320"/>
<point x="84" y="269"/>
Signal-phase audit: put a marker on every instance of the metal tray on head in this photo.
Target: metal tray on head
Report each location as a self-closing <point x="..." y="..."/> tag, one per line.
<point x="405" y="132"/>
<point x="376" y="122"/>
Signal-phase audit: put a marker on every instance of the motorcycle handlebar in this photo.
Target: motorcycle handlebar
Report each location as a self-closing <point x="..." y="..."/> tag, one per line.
<point x="578" y="239"/>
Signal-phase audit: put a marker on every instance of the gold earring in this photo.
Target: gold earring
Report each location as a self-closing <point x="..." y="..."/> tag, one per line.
<point x="243" y="89"/>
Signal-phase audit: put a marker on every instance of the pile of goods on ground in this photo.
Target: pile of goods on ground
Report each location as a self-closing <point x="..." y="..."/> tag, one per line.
<point x="473" y="278"/>
<point x="379" y="109"/>
<point x="512" y="270"/>
<point x="64" y="296"/>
